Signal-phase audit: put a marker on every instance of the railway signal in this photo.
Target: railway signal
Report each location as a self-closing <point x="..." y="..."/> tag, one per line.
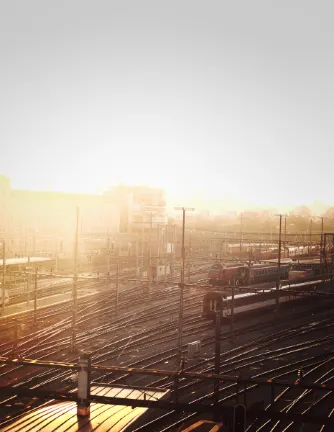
<point x="239" y="418"/>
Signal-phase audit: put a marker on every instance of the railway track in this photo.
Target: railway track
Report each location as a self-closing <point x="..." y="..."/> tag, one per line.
<point x="234" y="359"/>
<point x="87" y="311"/>
<point x="247" y="358"/>
<point x="145" y="335"/>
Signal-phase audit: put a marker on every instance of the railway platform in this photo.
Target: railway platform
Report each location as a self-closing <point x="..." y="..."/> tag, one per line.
<point x="17" y="309"/>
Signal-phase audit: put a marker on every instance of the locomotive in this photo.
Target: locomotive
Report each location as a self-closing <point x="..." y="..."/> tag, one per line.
<point x="220" y="274"/>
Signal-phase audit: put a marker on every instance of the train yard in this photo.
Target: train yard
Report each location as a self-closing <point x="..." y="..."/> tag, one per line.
<point x="134" y="325"/>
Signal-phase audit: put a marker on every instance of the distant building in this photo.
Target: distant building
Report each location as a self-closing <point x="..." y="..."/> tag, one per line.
<point x="43" y="222"/>
<point x="140" y="204"/>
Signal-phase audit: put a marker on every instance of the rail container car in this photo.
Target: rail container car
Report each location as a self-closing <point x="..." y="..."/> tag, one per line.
<point x="214" y="301"/>
<point x="220" y="275"/>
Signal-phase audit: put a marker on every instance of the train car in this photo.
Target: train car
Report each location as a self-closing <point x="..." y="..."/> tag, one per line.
<point x="267" y="273"/>
<point x="218" y="301"/>
<point x="307" y="265"/>
<point x="313" y="265"/>
<point x="268" y="254"/>
<point x="245" y="303"/>
<point x="220" y="275"/>
<point x="212" y="302"/>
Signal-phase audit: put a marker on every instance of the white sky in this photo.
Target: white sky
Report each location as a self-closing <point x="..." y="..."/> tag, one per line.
<point x="228" y="100"/>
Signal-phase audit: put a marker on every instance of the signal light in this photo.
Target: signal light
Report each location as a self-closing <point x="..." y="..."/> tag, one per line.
<point x="239" y="418"/>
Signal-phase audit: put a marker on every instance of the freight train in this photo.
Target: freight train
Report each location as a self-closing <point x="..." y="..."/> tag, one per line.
<point x="220" y="274"/>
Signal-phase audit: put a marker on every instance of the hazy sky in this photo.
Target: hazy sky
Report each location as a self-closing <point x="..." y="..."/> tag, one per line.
<point x="219" y="98"/>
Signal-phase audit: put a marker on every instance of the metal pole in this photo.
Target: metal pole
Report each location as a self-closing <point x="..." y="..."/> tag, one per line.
<point x="232" y="312"/>
<point x="158" y="240"/>
<point x="16" y="336"/>
<point x="240" y="235"/>
<point x="109" y="259"/>
<point x="149" y="258"/>
<point x="165" y="261"/>
<point x="142" y="251"/>
<point x="116" y="291"/>
<point x="137" y="263"/>
<point x="321" y="251"/>
<point x="217" y="357"/>
<point x="3" y="276"/>
<point x="150" y="247"/>
<point x="35" y="296"/>
<point x="28" y="279"/>
<point x="75" y="276"/>
<point x="322" y="232"/>
<point x="279" y="263"/>
<point x="181" y="286"/>
<point x="285" y="235"/>
<point x="310" y="243"/>
<point x="173" y="252"/>
<point x="190" y="248"/>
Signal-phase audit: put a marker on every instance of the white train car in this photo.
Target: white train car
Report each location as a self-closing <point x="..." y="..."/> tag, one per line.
<point x="214" y="301"/>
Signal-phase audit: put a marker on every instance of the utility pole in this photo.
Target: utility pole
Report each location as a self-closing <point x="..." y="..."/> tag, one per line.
<point x="137" y="262"/>
<point x="322" y="261"/>
<point x="158" y="241"/>
<point x="117" y="286"/>
<point x="322" y="233"/>
<point x="278" y="281"/>
<point x="310" y="242"/>
<point x="285" y="235"/>
<point x="35" y="295"/>
<point x="232" y="313"/>
<point x="28" y="279"/>
<point x="109" y="259"/>
<point x="240" y="234"/>
<point x="75" y="276"/>
<point x="149" y="275"/>
<point x="217" y="357"/>
<point x="142" y="251"/>
<point x="322" y="226"/>
<point x="173" y="253"/>
<point x="3" y="276"/>
<point x="181" y="285"/>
